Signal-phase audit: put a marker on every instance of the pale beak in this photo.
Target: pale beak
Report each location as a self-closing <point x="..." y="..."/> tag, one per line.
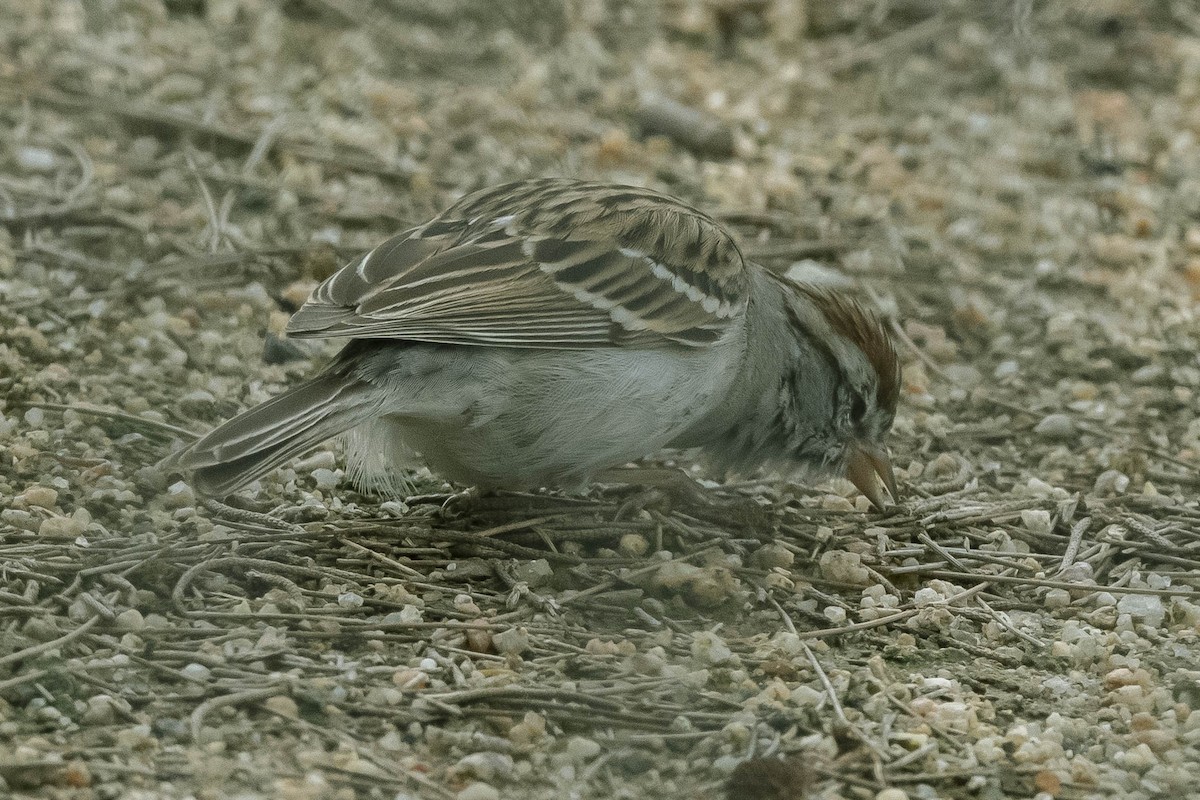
<point x="866" y="465"/>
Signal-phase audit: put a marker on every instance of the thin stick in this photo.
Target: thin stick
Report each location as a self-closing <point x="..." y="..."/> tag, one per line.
<point x="45" y="647"/>
<point x="108" y="413"/>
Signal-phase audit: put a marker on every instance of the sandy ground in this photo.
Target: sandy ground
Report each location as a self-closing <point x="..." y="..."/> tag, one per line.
<point x="1016" y="184"/>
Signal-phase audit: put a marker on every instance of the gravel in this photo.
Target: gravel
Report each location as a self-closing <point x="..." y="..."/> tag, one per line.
<point x="1018" y="194"/>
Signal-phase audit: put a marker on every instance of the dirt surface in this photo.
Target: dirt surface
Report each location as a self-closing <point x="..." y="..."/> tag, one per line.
<point x="1016" y="184"/>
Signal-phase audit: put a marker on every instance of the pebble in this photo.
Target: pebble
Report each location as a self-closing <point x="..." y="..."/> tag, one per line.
<point x="322" y="459"/>
<point x="1151" y="373"/>
<point x="384" y="696"/>
<point x="1146" y="607"/>
<point x="283" y="705"/>
<point x="513" y="641"/>
<point x="927" y="597"/>
<point x="1138" y="758"/>
<point x="410" y="678"/>
<point x="1055" y="427"/>
<point x="710" y="649"/>
<point x="130" y="620"/>
<point x="1111" y="482"/>
<point x="197" y="401"/>
<point x="281" y="351"/>
<point x="535" y="573"/>
<point x="479" y="791"/>
<point x="101" y="710"/>
<point x="350" y="600"/>
<point x="1037" y="521"/>
<point x="19" y="519"/>
<point x="844" y="566"/>
<point x="633" y="545"/>
<point x="963" y="375"/>
<point x="1003" y="371"/>
<point x="196" y="672"/>
<point x="408" y="615"/>
<point x="485" y="765"/>
<point x="36" y="159"/>
<point x="892" y="794"/>
<point x="772" y="555"/>
<point x="581" y="749"/>
<point x="325" y="478"/>
<point x="39" y="496"/>
<point x="178" y="86"/>
<point x="394" y="508"/>
<point x="691" y="128"/>
<point x="61" y="527"/>
<point x="530" y="729"/>
<point x="179" y="495"/>
<point x="1057" y="598"/>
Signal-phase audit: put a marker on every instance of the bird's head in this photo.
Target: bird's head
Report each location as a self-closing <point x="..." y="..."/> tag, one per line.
<point x="866" y="388"/>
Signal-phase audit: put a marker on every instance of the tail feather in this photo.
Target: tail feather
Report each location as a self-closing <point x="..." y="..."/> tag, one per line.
<point x="256" y="441"/>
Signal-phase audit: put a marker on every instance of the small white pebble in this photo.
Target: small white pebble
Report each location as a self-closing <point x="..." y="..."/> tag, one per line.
<point x="485" y="765"/>
<point x="325" y="478"/>
<point x="100" y="710"/>
<point x="282" y="705"/>
<point x="1037" y="521"/>
<point x="581" y="749"/>
<point x="130" y="620"/>
<point x="1057" y="598"/>
<point x="350" y="600"/>
<point x="1055" y="426"/>
<point x="405" y="616"/>
<point x="1147" y="608"/>
<point x="198" y="397"/>
<point x="40" y="496"/>
<point x="835" y="614"/>
<point x="1150" y="373"/>
<point x="479" y="791"/>
<point x="196" y="672"/>
<point x="772" y="555"/>
<point x="1006" y="369"/>
<point x="180" y="495"/>
<point x="322" y="459"/>
<point x="513" y="641"/>
<point x="633" y="545"/>
<point x="36" y="159"/>
<point x="60" y="528"/>
<point x="394" y="508"/>
<point x="844" y="566"/>
<point x="927" y="597"/>
<point x="1111" y="482"/>
<point x="710" y="649"/>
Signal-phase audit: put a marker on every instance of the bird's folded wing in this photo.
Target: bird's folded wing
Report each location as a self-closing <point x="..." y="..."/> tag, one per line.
<point x="541" y="264"/>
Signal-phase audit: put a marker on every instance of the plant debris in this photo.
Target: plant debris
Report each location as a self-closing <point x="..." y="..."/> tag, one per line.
<point x="1014" y="189"/>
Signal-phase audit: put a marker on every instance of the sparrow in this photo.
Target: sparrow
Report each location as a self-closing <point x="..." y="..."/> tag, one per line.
<point x="538" y="332"/>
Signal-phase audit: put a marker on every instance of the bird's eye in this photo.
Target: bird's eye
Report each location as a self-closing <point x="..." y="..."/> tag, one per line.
<point x="858" y="409"/>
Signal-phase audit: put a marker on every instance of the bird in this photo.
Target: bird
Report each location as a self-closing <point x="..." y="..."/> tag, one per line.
<point x="537" y="333"/>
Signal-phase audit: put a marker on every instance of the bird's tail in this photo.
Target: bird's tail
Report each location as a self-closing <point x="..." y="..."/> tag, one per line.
<point x="256" y="441"/>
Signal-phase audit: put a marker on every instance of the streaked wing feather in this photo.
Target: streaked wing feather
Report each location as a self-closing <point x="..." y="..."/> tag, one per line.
<point x="543" y="263"/>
